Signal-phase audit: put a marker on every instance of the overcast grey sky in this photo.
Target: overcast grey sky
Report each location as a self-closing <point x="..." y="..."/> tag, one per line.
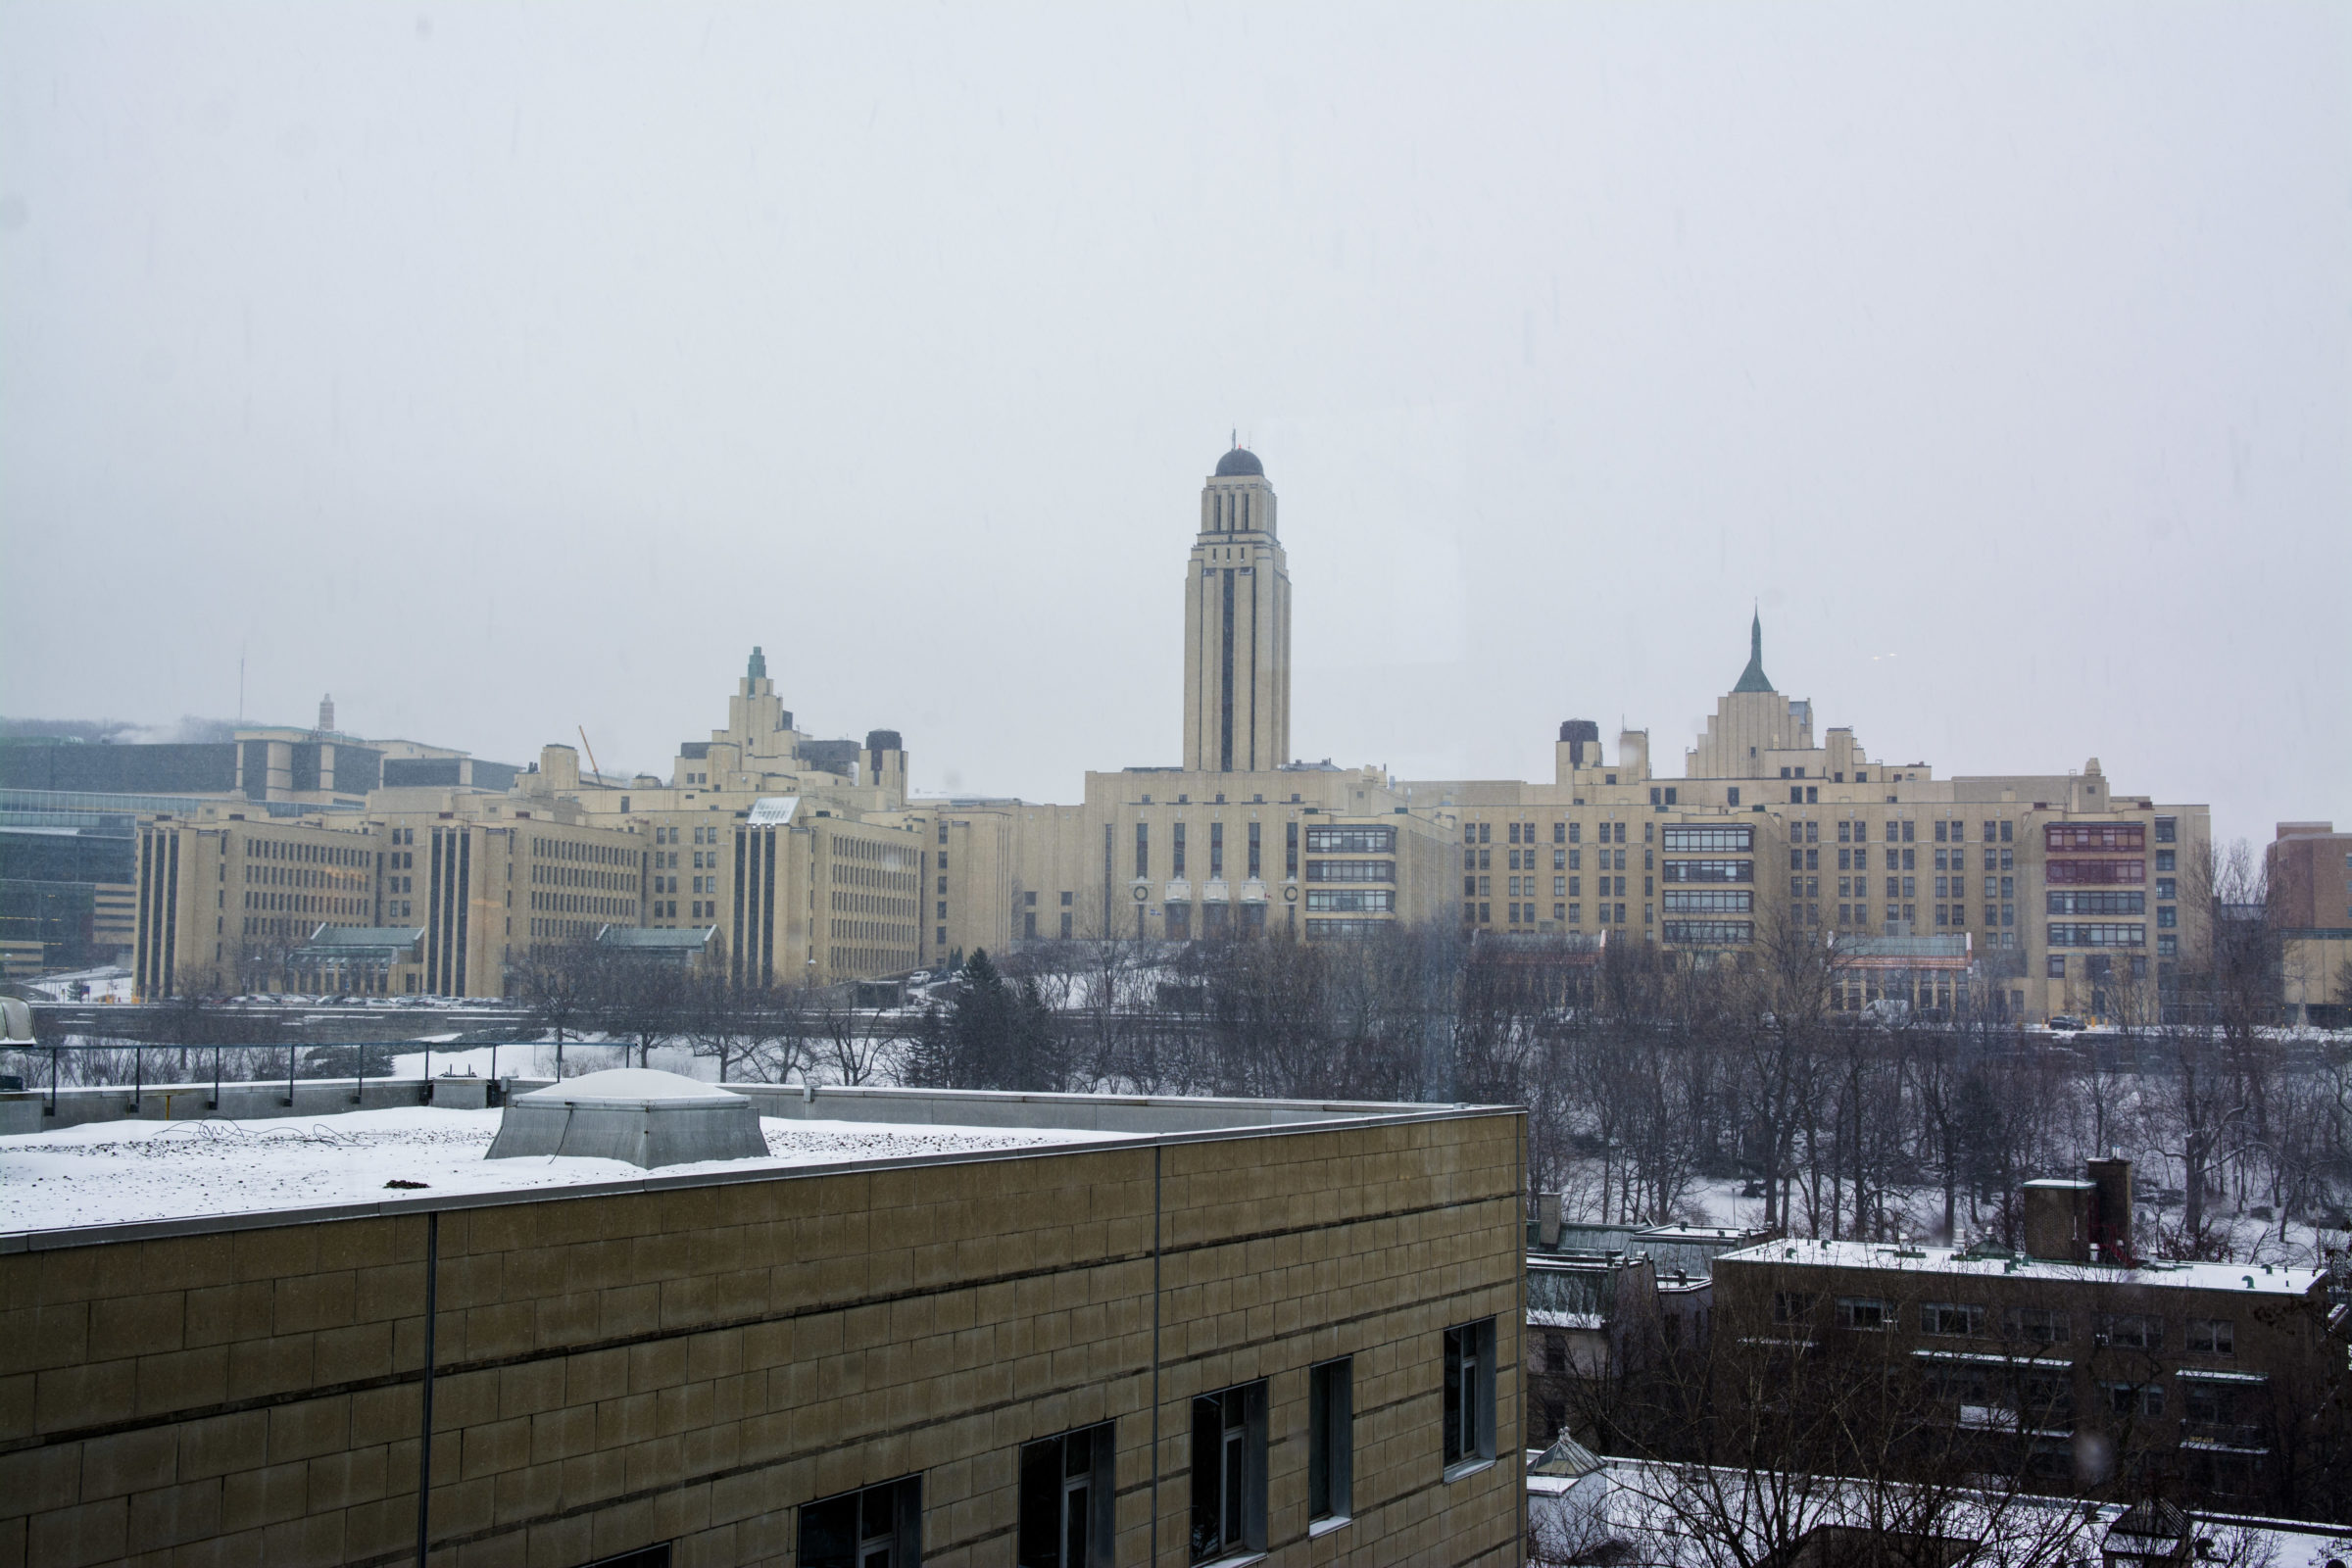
<point x="503" y="370"/>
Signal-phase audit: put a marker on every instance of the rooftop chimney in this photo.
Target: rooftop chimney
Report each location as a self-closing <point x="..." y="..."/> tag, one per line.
<point x="327" y="713"/>
<point x="2058" y="1220"/>
<point x="2111" y="1208"/>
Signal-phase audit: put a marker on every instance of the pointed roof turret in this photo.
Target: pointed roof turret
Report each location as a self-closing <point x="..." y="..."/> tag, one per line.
<point x="1752" y="679"/>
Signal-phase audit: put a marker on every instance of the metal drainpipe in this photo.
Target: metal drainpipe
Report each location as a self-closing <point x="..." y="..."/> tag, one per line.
<point x="424" y="1449"/>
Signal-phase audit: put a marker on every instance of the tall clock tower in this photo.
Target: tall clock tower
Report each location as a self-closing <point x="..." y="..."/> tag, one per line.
<point x="1237" y="628"/>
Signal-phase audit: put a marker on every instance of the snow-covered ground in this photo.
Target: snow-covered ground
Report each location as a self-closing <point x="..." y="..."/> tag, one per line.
<point x="118" y="1172"/>
<point x="2240" y="1238"/>
<point x="104" y="984"/>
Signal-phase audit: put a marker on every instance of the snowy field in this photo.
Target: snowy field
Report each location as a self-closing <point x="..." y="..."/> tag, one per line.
<point x="109" y="1173"/>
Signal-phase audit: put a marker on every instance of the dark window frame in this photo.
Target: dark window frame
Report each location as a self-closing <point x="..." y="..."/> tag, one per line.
<point x="1331" y="1439"/>
<point x="1228" y="1480"/>
<point x="1068" y="1483"/>
<point x="1467" y="1397"/>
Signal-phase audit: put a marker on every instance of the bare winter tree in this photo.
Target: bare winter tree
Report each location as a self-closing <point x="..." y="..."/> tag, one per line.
<point x="752" y="1031"/>
<point x="640" y="998"/>
<point x="1779" y="1433"/>
<point x="557" y="986"/>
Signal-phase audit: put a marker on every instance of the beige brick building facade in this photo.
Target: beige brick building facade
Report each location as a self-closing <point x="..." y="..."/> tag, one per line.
<point x="702" y="1361"/>
<point x="2068" y="894"/>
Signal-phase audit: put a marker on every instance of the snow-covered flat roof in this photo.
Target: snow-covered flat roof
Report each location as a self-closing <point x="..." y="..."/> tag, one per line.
<point x="119" y="1180"/>
<point x="2263" y="1279"/>
<point x="130" y="1172"/>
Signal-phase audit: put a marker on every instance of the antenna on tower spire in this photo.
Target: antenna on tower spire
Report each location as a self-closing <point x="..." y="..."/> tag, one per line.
<point x="1237" y="436"/>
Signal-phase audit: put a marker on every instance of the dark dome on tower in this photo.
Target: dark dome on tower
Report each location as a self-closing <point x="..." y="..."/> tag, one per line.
<point x="1240" y="463"/>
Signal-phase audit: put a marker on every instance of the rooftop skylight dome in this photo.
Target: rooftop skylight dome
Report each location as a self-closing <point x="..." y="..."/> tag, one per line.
<point x="632" y="1113"/>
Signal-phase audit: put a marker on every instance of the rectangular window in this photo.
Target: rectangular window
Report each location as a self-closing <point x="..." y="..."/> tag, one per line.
<point x="1289" y="850"/>
<point x="1142" y="849"/>
<point x="2167" y="829"/>
<point x="1469" y="1403"/>
<point x="1351" y="900"/>
<point x="1216" y="848"/>
<point x="2098" y="901"/>
<point x="2076" y="836"/>
<point x="2128" y="1399"/>
<point x="2213" y="1336"/>
<point x="1229" y="1472"/>
<point x="1330" y="1439"/>
<point x="1708" y="933"/>
<point x="2166" y="860"/>
<point x="2038" y="1325"/>
<point x="1352" y="841"/>
<point x="1255" y="872"/>
<point x="1176" y="851"/>
<point x="2130" y="1331"/>
<point x="1701" y="840"/>
<point x="880" y="1527"/>
<point x="2078" y="873"/>
<point x="2077" y="935"/>
<point x="1963" y="1319"/>
<point x="1351" y="870"/>
<point x="1865" y="1312"/>
<point x="1708" y="871"/>
<point x="1067" y="1502"/>
<point x="1709" y="900"/>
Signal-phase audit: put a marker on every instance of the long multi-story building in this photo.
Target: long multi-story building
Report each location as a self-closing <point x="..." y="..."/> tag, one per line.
<point x="2034" y="894"/>
<point x="2061" y="892"/>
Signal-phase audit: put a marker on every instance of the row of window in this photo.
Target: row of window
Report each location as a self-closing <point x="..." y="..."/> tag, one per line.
<point x="2074" y="934"/>
<point x="1068" y="1482"/>
<point x="1351" y="870"/>
<point x="1351" y="900"/>
<point x="1561" y="832"/>
<point x="2080" y="873"/>
<point x="1216" y="847"/>
<point x="1561" y="860"/>
<point x="2101" y="902"/>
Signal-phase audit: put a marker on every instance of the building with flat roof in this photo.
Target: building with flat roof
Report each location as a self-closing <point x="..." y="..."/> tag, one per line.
<point x="2222" y="1382"/>
<point x="929" y="1327"/>
<point x="2308" y="868"/>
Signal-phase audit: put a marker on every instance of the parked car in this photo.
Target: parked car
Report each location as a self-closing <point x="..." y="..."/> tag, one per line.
<point x="2066" y="1023"/>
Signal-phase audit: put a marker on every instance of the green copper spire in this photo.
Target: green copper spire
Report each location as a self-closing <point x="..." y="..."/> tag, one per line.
<point x="759" y="665"/>
<point x="1751" y="680"/>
